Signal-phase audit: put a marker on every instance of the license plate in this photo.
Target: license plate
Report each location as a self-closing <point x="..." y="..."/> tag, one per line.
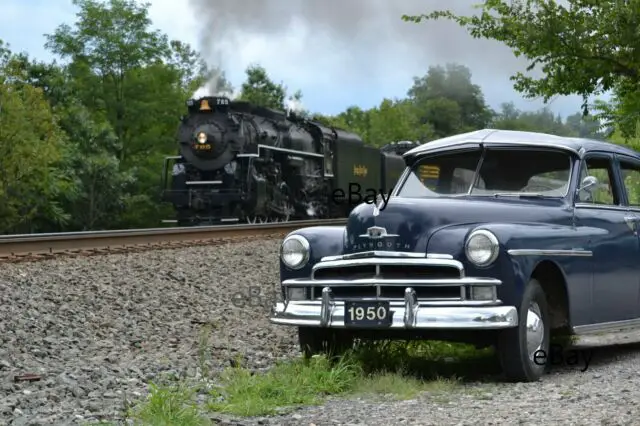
<point x="367" y="314"/>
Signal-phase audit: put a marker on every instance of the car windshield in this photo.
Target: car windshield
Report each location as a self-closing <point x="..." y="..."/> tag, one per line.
<point x="501" y="173"/>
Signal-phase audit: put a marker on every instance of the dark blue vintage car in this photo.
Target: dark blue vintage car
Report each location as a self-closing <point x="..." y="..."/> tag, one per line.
<point x="491" y="237"/>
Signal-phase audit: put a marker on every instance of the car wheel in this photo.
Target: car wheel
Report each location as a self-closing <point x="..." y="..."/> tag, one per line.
<point x="518" y="346"/>
<point x="315" y="341"/>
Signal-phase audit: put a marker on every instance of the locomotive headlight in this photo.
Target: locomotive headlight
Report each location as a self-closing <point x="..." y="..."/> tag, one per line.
<point x="482" y="247"/>
<point x="295" y="251"/>
<point x="202" y="137"/>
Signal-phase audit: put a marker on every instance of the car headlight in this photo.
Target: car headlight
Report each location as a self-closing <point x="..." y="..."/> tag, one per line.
<point x="482" y="247"/>
<point x="295" y="251"/>
<point x="202" y="137"/>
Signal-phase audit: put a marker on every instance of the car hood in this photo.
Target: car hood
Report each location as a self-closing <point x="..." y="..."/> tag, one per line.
<point x="409" y="222"/>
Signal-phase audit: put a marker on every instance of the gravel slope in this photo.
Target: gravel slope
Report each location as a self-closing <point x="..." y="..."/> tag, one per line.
<point x="98" y="329"/>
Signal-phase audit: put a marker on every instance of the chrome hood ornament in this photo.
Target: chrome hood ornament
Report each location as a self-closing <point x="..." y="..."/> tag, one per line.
<point x="377" y="232"/>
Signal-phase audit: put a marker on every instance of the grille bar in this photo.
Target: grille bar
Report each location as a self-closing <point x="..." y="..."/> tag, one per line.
<point x="374" y="261"/>
<point x="364" y="282"/>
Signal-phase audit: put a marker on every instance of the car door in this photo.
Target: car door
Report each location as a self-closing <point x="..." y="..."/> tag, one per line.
<point x="630" y="181"/>
<point x="614" y="287"/>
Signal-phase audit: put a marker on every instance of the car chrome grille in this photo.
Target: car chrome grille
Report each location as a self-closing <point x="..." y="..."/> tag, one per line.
<point x="435" y="279"/>
<point x="384" y="272"/>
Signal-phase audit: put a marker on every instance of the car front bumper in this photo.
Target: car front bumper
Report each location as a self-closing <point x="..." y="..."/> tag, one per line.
<point x="316" y="313"/>
<point x="410" y="312"/>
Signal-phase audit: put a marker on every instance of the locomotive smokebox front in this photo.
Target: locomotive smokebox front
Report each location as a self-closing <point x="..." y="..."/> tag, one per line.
<point x="206" y="139"/>
<point x="208" y="142"/>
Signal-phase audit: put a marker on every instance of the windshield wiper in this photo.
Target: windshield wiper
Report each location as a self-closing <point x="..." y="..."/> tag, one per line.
<point x="519" y="195"/>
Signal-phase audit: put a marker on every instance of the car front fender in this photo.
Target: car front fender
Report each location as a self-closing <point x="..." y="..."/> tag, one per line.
<point x="323" y="241"/>
<point x="523" y="246"/>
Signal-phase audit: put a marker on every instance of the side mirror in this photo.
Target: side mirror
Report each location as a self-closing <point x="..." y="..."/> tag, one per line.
<point x="588" y="182"/>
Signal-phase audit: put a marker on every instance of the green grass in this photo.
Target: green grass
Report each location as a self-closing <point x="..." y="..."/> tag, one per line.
<point x="169" y="405"/>
<point x="286" y="385"/>
<point x="391" y="370"/>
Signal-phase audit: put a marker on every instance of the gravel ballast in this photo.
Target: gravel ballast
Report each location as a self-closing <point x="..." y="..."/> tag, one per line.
<point x="98" y="329"/>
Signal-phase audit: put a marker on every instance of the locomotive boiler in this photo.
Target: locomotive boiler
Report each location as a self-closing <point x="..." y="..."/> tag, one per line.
<point x="241" y="162"/>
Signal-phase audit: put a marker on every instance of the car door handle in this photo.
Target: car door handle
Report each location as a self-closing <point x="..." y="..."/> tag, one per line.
<point x="632" y="222"/>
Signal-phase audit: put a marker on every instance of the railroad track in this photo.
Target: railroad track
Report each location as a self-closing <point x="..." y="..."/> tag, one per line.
<point x="30" y="247"/>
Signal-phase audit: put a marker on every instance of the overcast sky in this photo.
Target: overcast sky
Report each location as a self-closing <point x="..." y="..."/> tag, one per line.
<point x="337" y="52"/>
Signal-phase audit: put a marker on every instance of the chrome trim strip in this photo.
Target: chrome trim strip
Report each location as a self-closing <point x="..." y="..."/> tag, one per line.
<point x="536" y="252"/>
<point x="601" y="207"/>
<point x="308" y="313"/>
<point x="382" y="253"/>
<point x="465" y="144"/>
<point x="425" y="302"/>
<point x="403" y="282"/>
<point x="605" y="327"/>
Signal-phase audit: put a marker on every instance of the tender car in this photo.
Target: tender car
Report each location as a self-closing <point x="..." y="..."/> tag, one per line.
<point x="491" y="237"/>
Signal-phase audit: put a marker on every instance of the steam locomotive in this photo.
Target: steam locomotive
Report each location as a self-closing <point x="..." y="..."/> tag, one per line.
<point x="239" y="162"/>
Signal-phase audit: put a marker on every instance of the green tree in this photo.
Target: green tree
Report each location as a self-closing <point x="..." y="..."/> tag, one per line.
<point x="395" y="120"/>
<point x="356" y="120"/>
<point x="586" y="126"/>
<point x="31" y="147"/>
<point x="584" y="48"/>
<point x="260" y="90"/>
<point x="136" y="80"/>
<point x="446" y="99"/>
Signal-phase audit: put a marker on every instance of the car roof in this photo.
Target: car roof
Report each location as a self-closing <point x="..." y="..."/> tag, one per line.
<point x="519" y="138"/>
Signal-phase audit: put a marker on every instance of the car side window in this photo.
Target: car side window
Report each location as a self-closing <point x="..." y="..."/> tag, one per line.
<point x="631" y="179"/>
<point x="603" y="193"/>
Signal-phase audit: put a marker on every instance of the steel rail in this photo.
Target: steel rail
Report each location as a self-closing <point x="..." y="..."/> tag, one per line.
<point x="18" y="246"/>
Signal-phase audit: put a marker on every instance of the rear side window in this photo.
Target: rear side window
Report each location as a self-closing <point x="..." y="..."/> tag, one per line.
<point x="631" y="178"/>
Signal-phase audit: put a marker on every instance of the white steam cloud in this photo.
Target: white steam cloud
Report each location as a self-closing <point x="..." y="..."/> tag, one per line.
<point x="216" y="85"/>
<point x="294" y="105"/>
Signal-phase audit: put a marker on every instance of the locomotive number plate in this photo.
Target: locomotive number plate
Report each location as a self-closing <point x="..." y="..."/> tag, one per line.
<point x="367" y="314"/>
<point x="203" y="147"/>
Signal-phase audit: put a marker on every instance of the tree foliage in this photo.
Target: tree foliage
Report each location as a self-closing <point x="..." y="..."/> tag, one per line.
<point x="585" y="47"/>
<point x="31" y="147"/>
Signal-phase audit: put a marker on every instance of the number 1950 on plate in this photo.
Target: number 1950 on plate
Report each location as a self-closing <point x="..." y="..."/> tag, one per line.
<point x="363" y="314"/>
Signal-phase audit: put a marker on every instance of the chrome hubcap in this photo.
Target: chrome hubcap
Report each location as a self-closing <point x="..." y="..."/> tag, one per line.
<point x="535" y="330"/>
